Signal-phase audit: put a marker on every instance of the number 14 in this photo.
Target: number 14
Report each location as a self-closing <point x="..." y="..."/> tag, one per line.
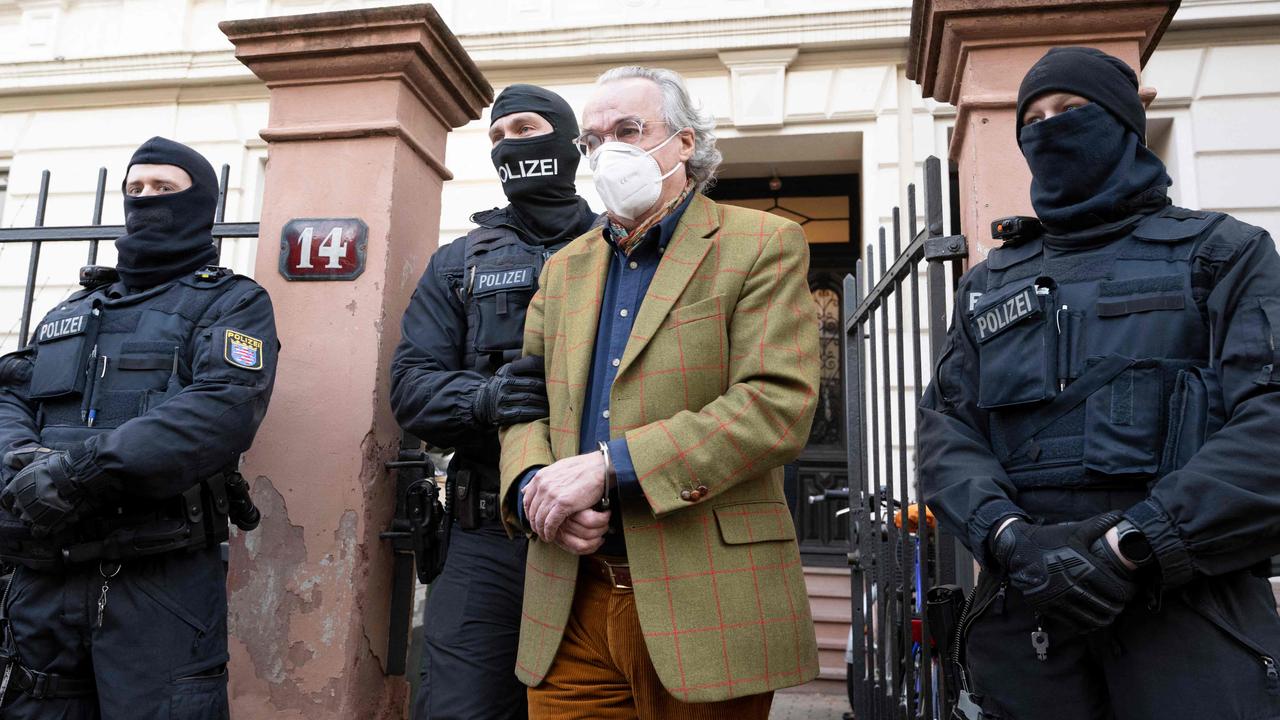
<point x="332" y="247"/>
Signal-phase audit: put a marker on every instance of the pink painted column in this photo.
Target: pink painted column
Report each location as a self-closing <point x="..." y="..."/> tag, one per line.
<point x="361" y="104"/>
<point x="974" y="53"/>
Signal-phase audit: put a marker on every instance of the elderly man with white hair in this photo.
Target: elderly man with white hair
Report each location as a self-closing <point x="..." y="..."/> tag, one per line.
<point x="681" y="353"/>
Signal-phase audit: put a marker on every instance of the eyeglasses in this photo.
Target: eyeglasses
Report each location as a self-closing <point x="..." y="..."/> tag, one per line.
<point x="628" y="131"/>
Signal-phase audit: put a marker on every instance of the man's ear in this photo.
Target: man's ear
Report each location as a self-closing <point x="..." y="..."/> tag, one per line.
<point x="687" y="144"/>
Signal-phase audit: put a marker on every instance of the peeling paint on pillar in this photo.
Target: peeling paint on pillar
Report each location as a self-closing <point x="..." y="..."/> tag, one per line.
<point x="276" y="594"/>
<point x="260" y="581"/>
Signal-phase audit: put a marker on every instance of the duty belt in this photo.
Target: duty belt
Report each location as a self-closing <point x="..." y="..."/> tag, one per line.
<point x="205" y="509"/>
<point x="42" y="686"/>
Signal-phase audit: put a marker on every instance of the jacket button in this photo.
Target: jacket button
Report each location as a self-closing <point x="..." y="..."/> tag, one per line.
<point x="695" y="496"/>
<point x="686" y="495"/>
<point x="702" y="490"/>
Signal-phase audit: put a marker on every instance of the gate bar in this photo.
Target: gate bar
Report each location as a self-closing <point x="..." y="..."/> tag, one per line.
<point x="33" y="264"/>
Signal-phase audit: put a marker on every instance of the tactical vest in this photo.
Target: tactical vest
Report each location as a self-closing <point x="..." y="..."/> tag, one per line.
<point x="100" y="362"/>
<point x="498" y="279"/>
<point x="1085" y="358"/>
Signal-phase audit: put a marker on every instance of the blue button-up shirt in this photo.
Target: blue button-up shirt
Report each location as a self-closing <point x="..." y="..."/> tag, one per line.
<point x="625" y="286"/>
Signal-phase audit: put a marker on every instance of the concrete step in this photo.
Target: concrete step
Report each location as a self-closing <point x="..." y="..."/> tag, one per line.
<point x="834" y="607"/>
<point x="829" y="593"/>
<point x="827" y="582"/>
<point x="833" y="633"/>
<point x="832" y="658"/>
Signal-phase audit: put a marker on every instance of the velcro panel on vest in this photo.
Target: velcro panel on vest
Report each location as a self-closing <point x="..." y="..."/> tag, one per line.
<point x="116" y="407"/>
<point x="145" y="362"/>
<point x="1175" y="225"/>
<point x="1125" y="297"/>
<point x="1168" y="235"/>
<point x="119" y="321"/>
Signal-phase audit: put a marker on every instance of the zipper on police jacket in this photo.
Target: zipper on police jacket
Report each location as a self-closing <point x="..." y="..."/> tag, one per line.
<point x="968" y="614"/>
<point x="1268" y="662"/>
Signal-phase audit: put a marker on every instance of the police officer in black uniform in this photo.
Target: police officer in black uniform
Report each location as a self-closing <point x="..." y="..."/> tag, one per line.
<point x="1100" y="432"/>
<point x="458" y="377"/>
<point x="121" y="426"/>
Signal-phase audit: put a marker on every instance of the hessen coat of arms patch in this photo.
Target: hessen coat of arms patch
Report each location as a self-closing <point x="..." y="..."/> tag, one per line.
<point x="242" y="350"/>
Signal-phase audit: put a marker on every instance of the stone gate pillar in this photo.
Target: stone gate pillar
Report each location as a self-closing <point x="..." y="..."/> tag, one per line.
<point x="973" y="54"/>
<point x="361" y="103"/>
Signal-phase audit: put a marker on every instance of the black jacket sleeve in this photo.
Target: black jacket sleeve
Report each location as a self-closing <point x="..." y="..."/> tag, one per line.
<point x="431" y="391"/>
<point x="204" y="427"/>
<point x="17" y="412"/>
<point x="961" y="478"/>
<point x="1218" y="513"/>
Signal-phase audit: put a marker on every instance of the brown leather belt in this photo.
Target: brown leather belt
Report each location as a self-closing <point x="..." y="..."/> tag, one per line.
<point x="610" y="568"/>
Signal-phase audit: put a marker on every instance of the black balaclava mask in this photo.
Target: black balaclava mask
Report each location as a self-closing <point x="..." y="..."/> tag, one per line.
<point x="1090" y="165"/>
<point x="537" y="173"/>
<point x="168" y="235"/>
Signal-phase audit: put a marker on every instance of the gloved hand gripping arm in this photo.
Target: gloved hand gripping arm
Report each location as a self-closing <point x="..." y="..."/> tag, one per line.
<point x="1066" y="571"/>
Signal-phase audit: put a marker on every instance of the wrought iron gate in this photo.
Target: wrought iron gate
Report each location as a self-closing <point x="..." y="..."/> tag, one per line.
<point x="893" y="672"/>
<point x="95" y="233"/>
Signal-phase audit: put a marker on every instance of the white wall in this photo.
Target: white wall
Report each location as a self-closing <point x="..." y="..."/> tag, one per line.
<point x="82" y="82"/>
<point x="1223" y="101"/>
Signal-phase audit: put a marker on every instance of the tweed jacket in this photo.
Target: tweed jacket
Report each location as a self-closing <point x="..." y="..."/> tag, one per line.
<point x="715" y="392"/>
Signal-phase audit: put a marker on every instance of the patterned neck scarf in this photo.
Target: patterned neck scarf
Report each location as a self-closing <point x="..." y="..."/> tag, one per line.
<point x="627" y="241"/>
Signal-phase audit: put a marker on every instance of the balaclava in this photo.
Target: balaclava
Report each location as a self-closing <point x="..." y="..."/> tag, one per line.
<point x="168" y="235"/>
<point x="1089" y="165"/>
<point x="537" y="173"/>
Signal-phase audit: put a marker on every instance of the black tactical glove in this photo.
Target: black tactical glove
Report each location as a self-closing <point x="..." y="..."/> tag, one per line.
<point x="1059" y="573"/>
<point x="24" y="455"/>
<point x="46" y="494"/>
<point x="517" y="393"/>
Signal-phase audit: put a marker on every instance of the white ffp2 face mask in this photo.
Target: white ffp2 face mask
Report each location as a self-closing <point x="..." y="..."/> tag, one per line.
<point x="627" y="177"/>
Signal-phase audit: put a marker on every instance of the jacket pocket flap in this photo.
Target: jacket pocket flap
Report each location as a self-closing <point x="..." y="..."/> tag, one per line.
<point x="710" y="307"/>
<point x="755" y="522"/>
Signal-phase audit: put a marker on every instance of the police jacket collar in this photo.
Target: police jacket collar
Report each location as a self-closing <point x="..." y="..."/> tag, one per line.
<point x="505" y="217"/>
<point x="1092" y="237"/>
<point x="207" y="276"/>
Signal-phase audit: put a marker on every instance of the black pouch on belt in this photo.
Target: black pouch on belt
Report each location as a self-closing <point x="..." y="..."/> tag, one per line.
<point x="942" y="612"/>
<point x="466" y="500"/>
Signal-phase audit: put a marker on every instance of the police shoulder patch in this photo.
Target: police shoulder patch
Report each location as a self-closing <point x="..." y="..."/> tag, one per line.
<point x="242" y="351"/>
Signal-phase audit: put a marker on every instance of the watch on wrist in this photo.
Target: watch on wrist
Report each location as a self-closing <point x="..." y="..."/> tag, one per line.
<point x="1133" y="544"/>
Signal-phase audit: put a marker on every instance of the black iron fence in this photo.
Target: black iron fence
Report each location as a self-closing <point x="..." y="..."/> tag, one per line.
<point x="94" y="234"/>
<point x="896" y="554"/>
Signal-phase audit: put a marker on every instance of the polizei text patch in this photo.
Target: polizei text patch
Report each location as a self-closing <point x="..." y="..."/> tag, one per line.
<point x="993" y="320"/>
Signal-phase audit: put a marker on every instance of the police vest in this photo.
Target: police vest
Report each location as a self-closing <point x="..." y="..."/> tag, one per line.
<point x="499" y="277"/>
<point x="100" y="362"/>
<point x="1085" y="358"/>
